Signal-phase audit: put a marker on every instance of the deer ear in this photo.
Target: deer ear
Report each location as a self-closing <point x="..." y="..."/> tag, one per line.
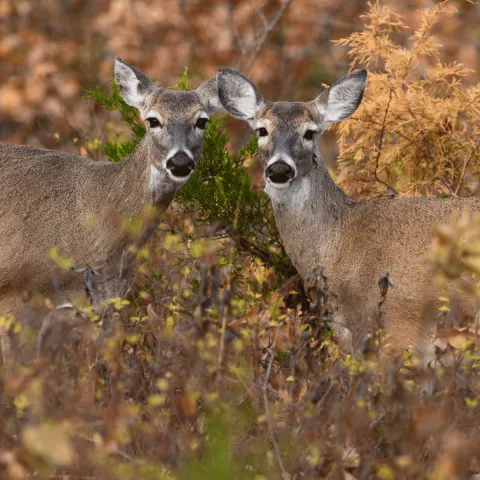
<point x="342" y="99"/>
<point x="238" y="95"/>
<point x="208" y="93"/>
<point x="133" y="84"/>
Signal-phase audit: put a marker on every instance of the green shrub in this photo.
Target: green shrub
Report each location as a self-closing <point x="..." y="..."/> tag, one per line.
<point x="219" y="192"/>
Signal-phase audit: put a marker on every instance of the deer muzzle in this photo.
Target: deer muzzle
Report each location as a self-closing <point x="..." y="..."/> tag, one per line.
<point x="279" y="172"/>
<point x="180" y="165"/>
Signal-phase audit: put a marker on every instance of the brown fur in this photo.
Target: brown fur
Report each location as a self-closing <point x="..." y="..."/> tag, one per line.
<point x="55" y="199"/>
<point x="356" y="242"/>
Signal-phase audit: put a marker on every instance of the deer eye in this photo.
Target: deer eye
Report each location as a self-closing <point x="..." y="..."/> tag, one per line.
<point x="154" y="122"/>
<point x="309" y="134"/>
<point x="201" y="123"/>
<point x="261" y="132"/>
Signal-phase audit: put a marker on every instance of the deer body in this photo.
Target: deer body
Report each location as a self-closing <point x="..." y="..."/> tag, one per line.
<point x="356" y="242"/>
<point x="87" y="209"/>
<point x="81" y="215"/>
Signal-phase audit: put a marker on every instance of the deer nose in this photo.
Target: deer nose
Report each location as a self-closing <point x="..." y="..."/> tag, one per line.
<point x="180" y="165"/>
<point x="279" y="172"/>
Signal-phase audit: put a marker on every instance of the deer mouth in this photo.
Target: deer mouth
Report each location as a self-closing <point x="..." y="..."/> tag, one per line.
<point x="279" y="173"/>
<point x="180" y="165"/>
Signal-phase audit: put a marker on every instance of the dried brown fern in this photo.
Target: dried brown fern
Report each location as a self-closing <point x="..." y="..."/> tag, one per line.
<point x="417" y="130"/>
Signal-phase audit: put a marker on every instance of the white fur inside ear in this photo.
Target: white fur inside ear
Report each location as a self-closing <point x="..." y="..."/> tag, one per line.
<point x="343" y="99"/>
<point x="336" y="110"/>
<point x="128" y="84"/>
<point x="246" y="101"/>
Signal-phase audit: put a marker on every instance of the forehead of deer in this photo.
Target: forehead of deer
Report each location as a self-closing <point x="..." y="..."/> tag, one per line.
<point x="291" y="114"/>
<point x="175" y="104"/>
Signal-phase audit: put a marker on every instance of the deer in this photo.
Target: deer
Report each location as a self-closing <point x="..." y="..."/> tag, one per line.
<point x="87" y="209"/>
<point x="355" y="242"/>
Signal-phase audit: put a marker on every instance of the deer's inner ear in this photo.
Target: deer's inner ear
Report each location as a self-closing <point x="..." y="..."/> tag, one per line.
<point x="134" y="86"/>
<point x="238" y="95"/>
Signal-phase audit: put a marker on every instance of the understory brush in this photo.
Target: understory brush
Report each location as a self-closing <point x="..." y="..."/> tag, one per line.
<point x="202" y="376"/>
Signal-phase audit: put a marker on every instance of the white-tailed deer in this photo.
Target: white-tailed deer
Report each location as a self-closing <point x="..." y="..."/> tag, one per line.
<point x="87" y="208"/>
<point x="356" y="242"/>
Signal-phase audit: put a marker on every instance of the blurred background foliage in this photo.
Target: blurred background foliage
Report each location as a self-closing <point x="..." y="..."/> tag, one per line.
<point x="50" y="50"/>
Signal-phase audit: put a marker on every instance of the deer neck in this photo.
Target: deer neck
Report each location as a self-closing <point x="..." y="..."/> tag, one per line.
<point x="311" y="214"/>
<point x="140" y="183"/>
<point x="136" y="195"/>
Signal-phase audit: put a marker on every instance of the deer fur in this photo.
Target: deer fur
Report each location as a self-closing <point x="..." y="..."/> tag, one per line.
<point x="356" y="242"/>
<point x="84" y="208"/>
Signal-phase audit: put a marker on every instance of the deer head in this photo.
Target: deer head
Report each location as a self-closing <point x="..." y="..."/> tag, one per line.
<point x="288" y="131"/>
<point x="175" y="121"/>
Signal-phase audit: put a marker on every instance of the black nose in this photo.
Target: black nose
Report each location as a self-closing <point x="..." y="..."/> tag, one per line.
<point x="279" y="172"/>
<point x="181" y="165"/>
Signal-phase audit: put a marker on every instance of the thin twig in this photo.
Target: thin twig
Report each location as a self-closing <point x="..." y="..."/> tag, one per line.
<point x="247" y="245"/>
<point x="465" y="165"/>
<point x="260" y="13"/>
<point x="267" y="410"/>
<point x="445" y="184"/>
<point x="236" y="36"/>
<point x="329" y="321"/>
<point x="324" y="396"/>
<point x="221" y="350"/>
<point x="400" y="134"/>
<point x="380" y="145"/>
<point x="79" y="133"/>
<point x="266" y="34"/>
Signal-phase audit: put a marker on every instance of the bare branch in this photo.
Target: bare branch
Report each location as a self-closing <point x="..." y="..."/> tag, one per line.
<point x="82" y="136"/>
<point x="221" y="350"/>
<point x="266" y="34"/>
<point x="260" y="13"/>
<point x="465" y="166"/>
<point x="380" y="145"/>
<point x="247" y="245"/>
<point x="236" y="36"/>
